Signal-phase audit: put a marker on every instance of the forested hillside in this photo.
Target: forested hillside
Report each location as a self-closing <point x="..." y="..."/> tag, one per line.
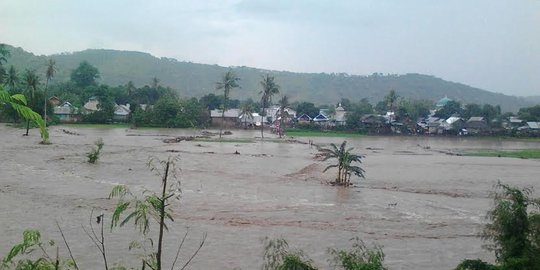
<point x="191" y="79"/>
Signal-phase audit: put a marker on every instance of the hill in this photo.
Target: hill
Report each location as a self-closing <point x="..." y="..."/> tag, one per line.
<point x="192" y="79"/>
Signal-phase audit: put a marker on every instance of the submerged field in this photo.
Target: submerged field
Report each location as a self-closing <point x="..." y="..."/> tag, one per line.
<point x="421" y="200"/>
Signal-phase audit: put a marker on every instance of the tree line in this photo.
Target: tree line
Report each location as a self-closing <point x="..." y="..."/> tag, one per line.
<point x="155" y="105"/>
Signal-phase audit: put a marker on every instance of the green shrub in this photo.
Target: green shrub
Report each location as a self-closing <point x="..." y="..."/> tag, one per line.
<point x="360" y="257"/>
<point x="475" y="265"/>
<point x="93" y="155"/>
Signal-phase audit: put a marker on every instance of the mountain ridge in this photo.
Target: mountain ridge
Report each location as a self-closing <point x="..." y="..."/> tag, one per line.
<point x="194" y="79"/>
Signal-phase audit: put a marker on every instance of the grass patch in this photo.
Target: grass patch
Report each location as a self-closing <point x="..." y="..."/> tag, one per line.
<point x="523" y="153"/>
<point x="319" y="133"/>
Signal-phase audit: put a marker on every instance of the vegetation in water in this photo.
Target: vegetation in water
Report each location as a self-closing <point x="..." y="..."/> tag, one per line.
<point x="94" y="154"/>
<point x="513" y="231"/>
<point x="278" y="256"/>
<point x="151" y="208"/>
<point x="33" y="254"/>
<point x="345" y="160"/>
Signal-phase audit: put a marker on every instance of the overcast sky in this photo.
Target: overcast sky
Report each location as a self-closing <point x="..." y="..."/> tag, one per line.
<point x="490" y="44"/>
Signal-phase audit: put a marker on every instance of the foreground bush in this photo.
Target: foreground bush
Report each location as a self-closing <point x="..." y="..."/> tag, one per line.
<point x="513" y="232"/>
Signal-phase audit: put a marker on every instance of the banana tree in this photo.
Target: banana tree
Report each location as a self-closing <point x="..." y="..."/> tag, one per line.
<point x="345" y="159"/>
<point x="19" y="104"/>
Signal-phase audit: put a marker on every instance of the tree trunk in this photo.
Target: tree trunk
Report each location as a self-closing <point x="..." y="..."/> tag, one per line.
<point x="162" y="216"/>
<point x="27" y="127"/>
<point x="222" y="121"/>
<point x="262" y="123"/>
<point x="280" y="126"/>
<point x="338" y="179"/>
<point x="45" y="104"/>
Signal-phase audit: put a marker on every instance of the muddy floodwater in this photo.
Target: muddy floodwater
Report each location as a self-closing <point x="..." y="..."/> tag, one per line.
<point x="421" y="202"/>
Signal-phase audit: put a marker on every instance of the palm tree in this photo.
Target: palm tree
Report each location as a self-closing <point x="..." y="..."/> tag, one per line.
<point x="269" y="88"/>
<point x="229" y="81"/>
<point x="49" y="73"/>
<point x="12" y="78"/>
<point x="18" y="103"/>
<point x="32" y="81"/>
<point x="247" y="111"/>
<point x="391" y="99"/>
<point x="155" y="83"/>
<point x="283" y="114"/>
<point x="4" y="53"/>
<point x="130" y="87"/>
<point x="345" y="159"/>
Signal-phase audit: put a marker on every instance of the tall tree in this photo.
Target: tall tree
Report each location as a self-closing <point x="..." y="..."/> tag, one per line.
<point x="4" y="53"/>
<point x="269" y="89"/>
<point x="391" y="100"/>
<point x="12" y="78"/>
<point x="247" y="111"/>
<point x="130" y="88"/>
<point x="49" y="74"/>
<point x="32" y="81"/>
<point x="229" y="81"/>
<point x="155" y="82"/>
<point x="450" y="108"/>
<point x="85" y="74"/>
<point x="283" y="114"/>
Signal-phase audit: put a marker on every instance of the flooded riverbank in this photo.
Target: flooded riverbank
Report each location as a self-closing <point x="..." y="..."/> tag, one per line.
<point x="421" y="200"/>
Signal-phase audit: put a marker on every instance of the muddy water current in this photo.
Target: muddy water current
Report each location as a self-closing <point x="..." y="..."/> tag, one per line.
<point x="421" y="200"/>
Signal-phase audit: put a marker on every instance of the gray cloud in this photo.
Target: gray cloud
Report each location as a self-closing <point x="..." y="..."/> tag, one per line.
<point x="491" y="44"/>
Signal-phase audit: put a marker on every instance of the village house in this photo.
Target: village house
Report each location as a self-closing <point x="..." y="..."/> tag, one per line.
<point x="229" y="119"/>
<point x="321" y="119"/>
<point x="452" y="124"/>
<point x="515" y="122"/>
<point x="67" y="113"/>
<point x="304" y="119"/>
<point x="477" y="124"/>
<point x="250" y="120"/>
<point x="91" y="105"/>
<point x="274" y="112"/>
<point x="55" y="101"/>
<point x="533" y="126"/>
<point x="121" y="112"/>
<point x="375" y="124"/>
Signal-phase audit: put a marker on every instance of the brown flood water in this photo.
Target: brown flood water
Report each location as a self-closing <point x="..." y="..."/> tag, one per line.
<point x="424" y="206"/>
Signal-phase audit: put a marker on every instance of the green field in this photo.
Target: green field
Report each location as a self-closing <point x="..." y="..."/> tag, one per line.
<point x="318" y="133"/>
<point x="523" y="153"/>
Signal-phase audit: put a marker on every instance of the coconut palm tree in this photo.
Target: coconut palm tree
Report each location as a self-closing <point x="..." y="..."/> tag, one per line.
<point x="32" y="81"/>
<point x="155" y="83"/>
<point x="130" y="87"/>
<point x="4" y="53"/>
<point x="18" y="103"/>
<point x="49" y="74"/>
<point x="247" y="111"/>
<point x="345" y="160"/>
<point x="229" y="82"/>
<point x="283" y="114"/>
<point x="12" y="78"/>
<point x="269" y="88"/>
